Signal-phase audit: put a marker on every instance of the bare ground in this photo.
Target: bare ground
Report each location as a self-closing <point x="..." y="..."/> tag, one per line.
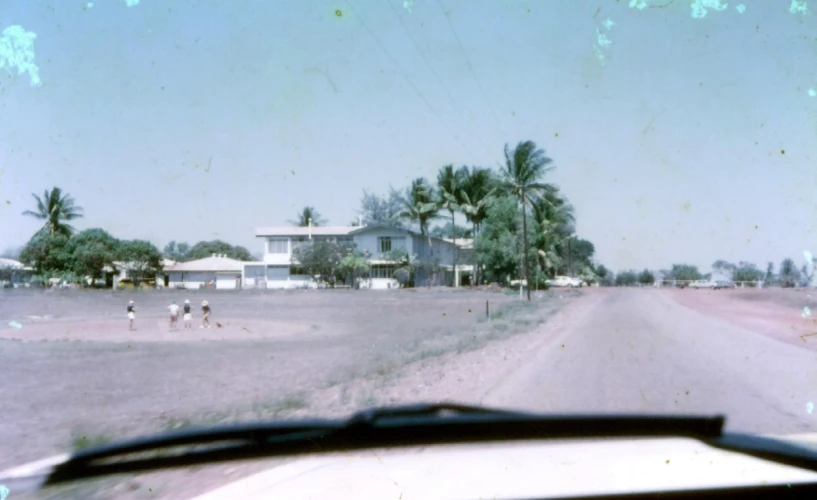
<point x="774" y="312"/>
<point x="76" y="376"/>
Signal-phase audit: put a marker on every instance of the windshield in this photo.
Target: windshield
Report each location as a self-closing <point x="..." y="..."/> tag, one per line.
<point x="216" y="212"/>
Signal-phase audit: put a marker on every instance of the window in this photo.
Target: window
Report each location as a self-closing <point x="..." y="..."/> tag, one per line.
<point x="383" y="271"/>
<point x="389" y="243"/>
<point x="278" y="245"/>
<point x="277" y="272"/>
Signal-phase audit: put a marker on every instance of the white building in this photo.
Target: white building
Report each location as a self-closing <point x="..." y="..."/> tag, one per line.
<point x="278" y="271"/>
<point x="216" y="271"/>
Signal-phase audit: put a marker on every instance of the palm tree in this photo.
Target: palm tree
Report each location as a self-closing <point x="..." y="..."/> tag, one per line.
<point x="55" y="208"/>
<point x="476" y="193"/>
<point x="420" y="206"/>
<point x="524" y="166"/>
<point x="449" y="184"/>
<point x="306" y="215"/>
<point x="554" y="219"/>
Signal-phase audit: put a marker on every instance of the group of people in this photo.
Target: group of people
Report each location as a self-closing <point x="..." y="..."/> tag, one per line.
<point x="174" y="315"/>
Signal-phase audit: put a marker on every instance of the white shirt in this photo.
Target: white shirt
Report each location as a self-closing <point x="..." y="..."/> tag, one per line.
<point x="174" y="309"/>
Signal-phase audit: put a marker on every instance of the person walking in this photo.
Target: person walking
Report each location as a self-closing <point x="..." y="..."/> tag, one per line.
<point x="174" y="315"/>
<point x="131" y="315"/>
<point x="188" y="316"/>
<point x="205" y="309"/>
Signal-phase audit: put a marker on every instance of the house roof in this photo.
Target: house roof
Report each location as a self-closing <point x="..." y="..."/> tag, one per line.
<point x="11" y="263"/>
<point x="211" y="264"/>
<point x="305" y="231"/>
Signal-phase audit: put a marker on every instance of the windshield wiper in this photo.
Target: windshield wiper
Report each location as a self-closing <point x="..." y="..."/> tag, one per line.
<point x="412" y="425"/>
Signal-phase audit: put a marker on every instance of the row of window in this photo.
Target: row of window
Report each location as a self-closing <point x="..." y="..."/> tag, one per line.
<point x="281" y="245"/>
<point x="283" y="272"/>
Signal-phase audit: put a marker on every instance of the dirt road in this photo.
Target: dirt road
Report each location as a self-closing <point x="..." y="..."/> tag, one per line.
<point x="642" y="350"/>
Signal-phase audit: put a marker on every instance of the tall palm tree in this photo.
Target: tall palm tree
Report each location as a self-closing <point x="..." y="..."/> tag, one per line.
<point x="306" y="215"/>
<point x="476" y="193"/>
<point x="524" y="167"/>
<point x="420" y="206"/>
<point x="55" y="207"/>
<point x="449" y="184"/>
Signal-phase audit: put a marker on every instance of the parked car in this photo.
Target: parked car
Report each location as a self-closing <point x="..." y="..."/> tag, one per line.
<point x="703" y="284"/>
<point x="566" y="281"/>
<point x="724" y="284"/>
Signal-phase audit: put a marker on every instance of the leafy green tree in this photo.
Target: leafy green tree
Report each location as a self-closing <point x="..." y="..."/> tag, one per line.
<point x="306" y="215"/>
<point x="47" y="253"/>
<point x="378" y="209"/>
<point x="646" y="277"/>
<point x="576" y="253"/>
<point x="55" y="208"/>
<point x="92" y="251"/>
<point x="142" y="259"/>
<point x="606" y="277"/>
<point x="499" y="248"/>
<point x="789" y="275"/>
<point x="524" y="166"/>
<point x="769" y="277"/>
<point x="204" y="249"/>
<point x="176" y="251"/>
<point x="724" y="268"/>
<point x="626" y="278"/>
<point x="353" y="266"/>
<point x="446" y="230"/>
<point x="685" y="272"/>
<point x="747" y="272"/>
<point x="322" y="259"/>
<point x="478" y="188"/>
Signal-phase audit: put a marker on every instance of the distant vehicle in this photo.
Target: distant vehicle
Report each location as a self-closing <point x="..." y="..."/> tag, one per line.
<point x="719" y="284"/>
<point x="704" y="284"/>
<point x="566" y="281"/>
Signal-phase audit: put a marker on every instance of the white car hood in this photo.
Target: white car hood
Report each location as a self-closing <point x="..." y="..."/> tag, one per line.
<point x="515" y="470"/>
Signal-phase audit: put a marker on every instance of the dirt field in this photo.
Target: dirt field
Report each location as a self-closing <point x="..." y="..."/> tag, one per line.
<point x="775" y="312"/>
<point x="75" y="376"/>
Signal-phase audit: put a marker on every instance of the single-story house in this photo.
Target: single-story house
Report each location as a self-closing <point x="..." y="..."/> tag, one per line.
<point x="13" y="273"/>
<point x="277" y="269"/>
<point x="123" y="270"/>
<point x="217" y="271"/>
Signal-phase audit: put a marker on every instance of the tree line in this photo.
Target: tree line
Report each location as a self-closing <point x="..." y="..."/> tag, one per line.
<point x="789" y="275"/>
<point x="57" y="250"/>
<point x="521" y="226"/>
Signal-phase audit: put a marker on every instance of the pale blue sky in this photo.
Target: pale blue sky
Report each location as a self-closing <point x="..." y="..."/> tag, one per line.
<point x="670" y="147"/>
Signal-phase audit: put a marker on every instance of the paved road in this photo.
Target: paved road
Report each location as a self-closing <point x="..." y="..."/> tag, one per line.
<point x="636" y="350"/>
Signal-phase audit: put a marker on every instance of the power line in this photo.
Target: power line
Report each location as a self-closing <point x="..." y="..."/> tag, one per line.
<point x="393" y="61"/>
<point x="417" y="47"/>
<point x="470" y="66"/>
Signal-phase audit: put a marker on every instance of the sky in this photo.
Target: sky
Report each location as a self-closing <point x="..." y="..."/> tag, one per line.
<point x="681" y="131"/>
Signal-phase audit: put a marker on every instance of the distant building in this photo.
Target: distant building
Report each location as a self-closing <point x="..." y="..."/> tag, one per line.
<point x="217" y="271"/>
<point x="13" y="273"/>
<point x="277" y="269"/>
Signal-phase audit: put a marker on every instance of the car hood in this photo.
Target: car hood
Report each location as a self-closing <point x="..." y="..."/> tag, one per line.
<point x="517" y="470"/>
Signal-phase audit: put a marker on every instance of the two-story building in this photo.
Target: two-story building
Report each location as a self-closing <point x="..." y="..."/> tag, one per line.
<point x="277" y="269"/>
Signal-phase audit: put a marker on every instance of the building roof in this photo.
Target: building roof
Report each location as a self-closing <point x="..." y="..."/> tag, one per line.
<point x="214" y="263"/>
<point x="305" y="231"/>
<point x="11" y="263"/>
